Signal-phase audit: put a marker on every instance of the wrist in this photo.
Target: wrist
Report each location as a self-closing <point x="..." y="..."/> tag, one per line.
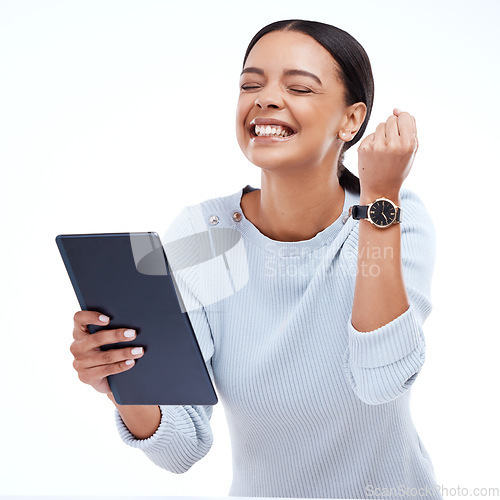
<point x="112" y="398"/>
<point x="365" y="198"/>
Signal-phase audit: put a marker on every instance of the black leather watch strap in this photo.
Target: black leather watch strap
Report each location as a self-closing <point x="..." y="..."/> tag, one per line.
<point x="398" y="214"/>
<point x="361" y="212"/>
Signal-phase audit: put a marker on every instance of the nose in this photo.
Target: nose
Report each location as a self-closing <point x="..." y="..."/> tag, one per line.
<point x="269" y="97"/>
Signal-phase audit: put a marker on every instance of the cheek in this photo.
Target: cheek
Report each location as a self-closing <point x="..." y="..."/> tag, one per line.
<point x="319" y="123"/>
<point x="240" y="124"/>
<point x="240" y="120"/>
<point x="243" y="108"/>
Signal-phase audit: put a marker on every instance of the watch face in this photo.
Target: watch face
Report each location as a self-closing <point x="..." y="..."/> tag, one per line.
<point x="382" y="213"/>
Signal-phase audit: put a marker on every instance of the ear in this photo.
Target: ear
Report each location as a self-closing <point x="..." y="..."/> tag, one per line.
<point x="354" y="118"/>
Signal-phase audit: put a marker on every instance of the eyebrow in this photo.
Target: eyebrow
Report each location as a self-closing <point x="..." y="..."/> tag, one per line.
<point x="287" y="72"/>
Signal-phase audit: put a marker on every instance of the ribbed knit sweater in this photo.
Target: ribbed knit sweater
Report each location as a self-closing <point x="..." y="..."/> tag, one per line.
<point x="315" y="408"/>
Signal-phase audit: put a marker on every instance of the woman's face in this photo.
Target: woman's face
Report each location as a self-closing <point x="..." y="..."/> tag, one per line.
<point x="289" y="79"/>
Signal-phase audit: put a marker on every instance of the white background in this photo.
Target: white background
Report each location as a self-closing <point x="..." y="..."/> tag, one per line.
<point x="116" y="114"/>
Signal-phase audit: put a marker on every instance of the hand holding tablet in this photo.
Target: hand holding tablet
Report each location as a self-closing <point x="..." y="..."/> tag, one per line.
<point x="94" y="365"/>
<point x="126" y="276"/>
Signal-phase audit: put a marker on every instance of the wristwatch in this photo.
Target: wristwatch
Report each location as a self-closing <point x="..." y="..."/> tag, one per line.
<point x="381" y="213"/>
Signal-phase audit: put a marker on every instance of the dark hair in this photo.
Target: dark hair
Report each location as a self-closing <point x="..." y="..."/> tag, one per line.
<point x="355" y="74"/>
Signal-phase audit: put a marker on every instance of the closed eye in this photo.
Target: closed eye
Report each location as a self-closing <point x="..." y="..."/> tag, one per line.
<point x="302" y="91"/>
<point x="298" y="91"/>
<point x="249" y="87"/>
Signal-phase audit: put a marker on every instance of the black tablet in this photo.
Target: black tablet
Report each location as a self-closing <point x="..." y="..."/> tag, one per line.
<point x="127" y="277"/>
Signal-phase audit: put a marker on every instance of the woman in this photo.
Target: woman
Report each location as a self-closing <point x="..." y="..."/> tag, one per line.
<point x="314" y="353"/>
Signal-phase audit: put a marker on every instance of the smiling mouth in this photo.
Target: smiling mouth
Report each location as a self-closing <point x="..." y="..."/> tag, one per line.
<point x="279" y="131"/>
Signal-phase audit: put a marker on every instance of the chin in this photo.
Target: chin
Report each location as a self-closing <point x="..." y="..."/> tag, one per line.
<point x="269" y="159"/>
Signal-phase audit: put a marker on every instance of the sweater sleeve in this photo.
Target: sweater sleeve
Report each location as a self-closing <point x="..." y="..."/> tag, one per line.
<point x="383" y="364"/>
<point x="184" y="435"/>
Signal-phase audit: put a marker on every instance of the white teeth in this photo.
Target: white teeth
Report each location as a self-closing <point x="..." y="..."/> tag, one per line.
<point x="275" y="130"/>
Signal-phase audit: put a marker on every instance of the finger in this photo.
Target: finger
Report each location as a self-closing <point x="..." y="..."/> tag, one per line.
<point x="379" y="135"/>
<point x="82" y="319"/>
<point x="405" y="125"/>
<point x="111" y="356"/>
<point x="90" y="343"/>
<point x="391" y="128"/>
<point x="104" y="337"/>
<point x="364" y="143"/>
<point x="95" y="375"/>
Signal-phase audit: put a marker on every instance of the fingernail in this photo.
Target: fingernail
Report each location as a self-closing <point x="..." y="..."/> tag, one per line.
<point x="129" y="333"/>
<point x="136" y="350"/>
<point x="129" y="362"/>
<point x="103" y="318"/>
<point x="397" y="110"/>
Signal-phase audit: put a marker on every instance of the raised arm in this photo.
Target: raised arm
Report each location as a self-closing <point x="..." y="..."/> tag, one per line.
<point x="394" y="271"/>
<point x="386" y="345"/>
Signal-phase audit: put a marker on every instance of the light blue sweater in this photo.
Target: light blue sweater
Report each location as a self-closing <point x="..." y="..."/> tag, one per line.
<point x="315" y="408"/>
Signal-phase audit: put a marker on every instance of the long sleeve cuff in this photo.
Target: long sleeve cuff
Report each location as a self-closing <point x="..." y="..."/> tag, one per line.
<point x="161" y="436"/>
<point x="383" y="363"/>
<point x="387" y="344"/>
<point x="183" y="437"/>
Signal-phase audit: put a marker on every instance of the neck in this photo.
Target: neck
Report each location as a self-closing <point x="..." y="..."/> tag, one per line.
<point x="296" y="208"/>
